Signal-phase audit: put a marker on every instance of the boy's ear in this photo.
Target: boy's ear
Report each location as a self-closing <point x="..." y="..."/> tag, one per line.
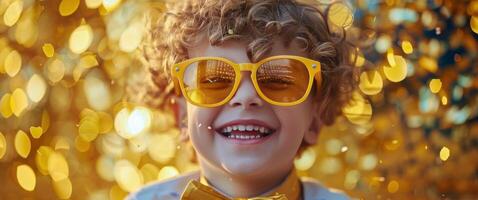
<point x="312" y="134"/>
<point x="180" y="113"/>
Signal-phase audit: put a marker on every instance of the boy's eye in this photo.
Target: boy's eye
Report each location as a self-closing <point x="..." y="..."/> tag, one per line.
<point x="216" y="79"/>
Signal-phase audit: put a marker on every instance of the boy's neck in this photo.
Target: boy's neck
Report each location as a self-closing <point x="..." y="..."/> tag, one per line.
<point x="243" y="186"/>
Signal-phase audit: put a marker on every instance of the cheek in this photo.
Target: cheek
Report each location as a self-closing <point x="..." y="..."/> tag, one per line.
<point x="199" y="119"/>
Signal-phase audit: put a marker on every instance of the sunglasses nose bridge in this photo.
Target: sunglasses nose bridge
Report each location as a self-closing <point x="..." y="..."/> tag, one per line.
<point x="245" y="66"/>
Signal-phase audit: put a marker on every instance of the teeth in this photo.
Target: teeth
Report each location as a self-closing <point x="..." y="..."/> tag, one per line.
<point x="241" y="128"/>
<point x="249" y="127"/>
<point x="244" y="137"/>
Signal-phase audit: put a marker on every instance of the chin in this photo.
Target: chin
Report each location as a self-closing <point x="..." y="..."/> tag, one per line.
<point x="246" y="167"/>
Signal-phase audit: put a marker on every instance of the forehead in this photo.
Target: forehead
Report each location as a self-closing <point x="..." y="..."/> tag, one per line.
<point x="236" y="50"/>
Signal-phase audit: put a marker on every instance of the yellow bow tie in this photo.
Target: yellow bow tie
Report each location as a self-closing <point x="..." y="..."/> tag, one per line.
<point x="197" y="191"/>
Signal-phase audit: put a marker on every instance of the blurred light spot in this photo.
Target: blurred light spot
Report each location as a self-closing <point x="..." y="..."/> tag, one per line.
<point x="3" y="145"/>
<point x="167" y="172"/>
<point x="392" y="186"/>
<point x="444" y="153"/>
<point x="68" y="7"/>
<point x="22" y="144"/>
<point x="371" y="82"/>
<point x="435" y="85"/>
<point x="45" y="120"/>
<point x="428" y="102"/>
<point x="5" y="108"/>
<point x="359" y="110"/>
<point x="26" y="177"/>
<point x="333" y="146"/>
<point x="384" y="42"/>
<point x="18" y="102"/>
<point x="88" y="128"/>
<point x="340" y="15"/>
<point x="428" y="63"/>
<point x="330" y="165"/>
<point x="36" y="132"/>
<point x="398" y="72"/>
<point x="130" y="39"/>
<point x="13" y="63"/>
<point x="444" y="100"/>
<point x="368" y="162"/>
<point x="92" y="4"/>
<point x="407" y="47"/>
<point x="13" y="12"/>
<point x="150" y="172"/>
<point x="391" y="57"/>
<point x="106" y="122"/>
<point x="139" y="121"/>
<point x="81" y="145"/>
<point x="63" y="188"/>
<point x="97" y="92"/>
<point x="116" y="193"/>
<point x="344" y="149"/>
<point x="351" y="179"/>
<point x="81" y="38"/>
<point x="127" y="176"/>
<point x="56" y="70"/>
<point x="36" y="88"/>
<point x="48" y="50"/>
<point x="41" y="159"/>
<point x="162" y="147"/>
<point x="104" y="164"/>
<point x="57" y="167"/>
<point x="306" y="160"/>
<point x="474" y="24"/>
<point x="62" y="143"/>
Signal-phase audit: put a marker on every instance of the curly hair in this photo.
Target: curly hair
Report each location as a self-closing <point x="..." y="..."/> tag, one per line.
<point x="256" y="22"/>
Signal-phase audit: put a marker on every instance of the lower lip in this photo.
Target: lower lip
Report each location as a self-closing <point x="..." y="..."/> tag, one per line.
<point x="248" y="141"/>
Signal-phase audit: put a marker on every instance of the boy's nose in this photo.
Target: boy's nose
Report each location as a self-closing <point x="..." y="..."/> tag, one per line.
<point x="246" y="95"/>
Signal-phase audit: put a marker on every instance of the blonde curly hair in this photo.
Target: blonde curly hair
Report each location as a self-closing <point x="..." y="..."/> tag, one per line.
<point x="255" y="21"/>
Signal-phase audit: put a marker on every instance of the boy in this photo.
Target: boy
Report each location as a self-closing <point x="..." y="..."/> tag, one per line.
<point x="255" y="80"/>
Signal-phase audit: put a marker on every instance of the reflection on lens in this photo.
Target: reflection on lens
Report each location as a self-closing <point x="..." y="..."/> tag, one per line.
<point x="283" y="80"/>
<point x="208" y="81"/>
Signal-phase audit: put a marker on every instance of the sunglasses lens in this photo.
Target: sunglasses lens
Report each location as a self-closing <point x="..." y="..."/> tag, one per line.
<point x="208" y="81"/>
<point x="283" y="80"/>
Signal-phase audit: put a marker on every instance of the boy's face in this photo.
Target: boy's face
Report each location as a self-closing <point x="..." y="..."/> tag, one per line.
<point x="265" y="156"/>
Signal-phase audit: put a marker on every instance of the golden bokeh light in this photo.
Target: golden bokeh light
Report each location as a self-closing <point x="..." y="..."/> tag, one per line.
<point x="81" y="39"/>
<point x="167" y="172"/>
<point x="435" y="85"/>
<point x="56" y="70"/>
<point x="371" y="82"/>
<point x="13" y="12"/>
<point x="398" y="72"/>
<point x="36" y="88"/>
<point x="164" y="147"/>
<point x="306" y="160"/>
<point x="48" y="50"/>
<point x="359" y="110"/>
<point x="407" y="47"/>
<point x="26" y="177"/>
<point x="129" y="178"/>
<point x="340" y="15"/>
<point x="41" y="159"/>
<point x="22" y="144"/>
<point x="393" y="186"/>
<point x="18" y="102"/>
<point x="474" y="24"/>
<point x="36" y="132"/>
<point x="57" y="166"/>
<point x="5" y="108"/>
<point x="68" y="7"/>
<point x="3" y="145"/>
<point x="444" y="153"/>
<point x="63" y="188"/>
<point x="13" y="63"/>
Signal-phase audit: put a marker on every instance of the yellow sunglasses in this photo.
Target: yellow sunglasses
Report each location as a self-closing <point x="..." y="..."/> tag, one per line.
<point x="283" y="80"/>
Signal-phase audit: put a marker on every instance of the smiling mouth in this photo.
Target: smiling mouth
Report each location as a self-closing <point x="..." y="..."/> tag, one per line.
<point x="245" y="132"/>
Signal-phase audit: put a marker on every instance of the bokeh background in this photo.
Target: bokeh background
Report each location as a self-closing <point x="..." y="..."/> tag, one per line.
<point x="67" y="130"/>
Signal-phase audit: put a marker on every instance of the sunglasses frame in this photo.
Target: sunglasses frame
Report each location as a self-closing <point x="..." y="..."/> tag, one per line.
<point x="313" y="67"/>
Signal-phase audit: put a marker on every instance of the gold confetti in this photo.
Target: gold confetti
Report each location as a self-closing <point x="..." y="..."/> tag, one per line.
<point x="48" y="50"/>
<point x="435" y="85"/>
<point x="36" y="88"/>
<point x="18" y="102"/>
<point x="13" y="63"/>
<point x="398" y="72"/>
<point x="56" y="70"/>
<point x="13" y="12"/>
<point x="81" y="38"/>
<point x="36" y="132"/>
<point x="3" y="145"/>
<point x="22" y="144"/>
<point x="68" y="7"/>
<point x="41" y="159"/>
<point x="371" y="83"/>
<point x="444" y="153"/>
<point x="63" y="188"/>
<point x="26" y="177"/>
<point x="57" y="167"/>
<point x="5" y="108"/>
